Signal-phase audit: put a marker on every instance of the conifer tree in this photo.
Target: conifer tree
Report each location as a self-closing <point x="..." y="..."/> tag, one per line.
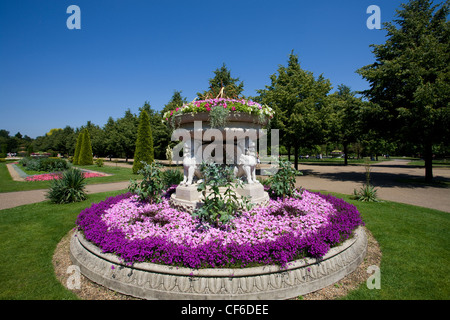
<point x="85" y="157"/>
<point x="76" y="156"/>
<point x="144" y="143"/>
<point x="410" y="79"/>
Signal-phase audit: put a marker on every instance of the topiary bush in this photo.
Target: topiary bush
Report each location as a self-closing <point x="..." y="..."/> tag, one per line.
<point x="86" y="158"/>
<point x="70" y="188"/>
<point x="144" y="151"/>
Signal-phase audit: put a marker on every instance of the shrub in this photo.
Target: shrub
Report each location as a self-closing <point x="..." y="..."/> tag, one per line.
<point x="367" y="193"/>
<point x="151" y="188"/>
<point x="144" y="143"/>
<point x="52" y="164"/>
<point x="282" y="183"/>
<point x="99" y="162"/>
<point x="218" y="208"/>
<point x="172" y="177"/>
<point x="70" y="188"/>
<point x="85" y="157"/>
<point x="76" y="156"/>
<point x="44" y="164"/>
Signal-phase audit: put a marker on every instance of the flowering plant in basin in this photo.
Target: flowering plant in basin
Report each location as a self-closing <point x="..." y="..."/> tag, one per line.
<point x="232" y="105"/>
<point x="285" y="230"/>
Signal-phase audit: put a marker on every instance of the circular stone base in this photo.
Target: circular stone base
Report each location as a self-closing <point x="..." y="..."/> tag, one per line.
<point x="154" y="281"/>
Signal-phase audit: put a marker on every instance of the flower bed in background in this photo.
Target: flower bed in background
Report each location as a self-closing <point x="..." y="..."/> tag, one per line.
<point x="278" y="233"/>
<point x="55" y="176"/>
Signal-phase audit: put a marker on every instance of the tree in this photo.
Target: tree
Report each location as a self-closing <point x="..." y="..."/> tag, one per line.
<point x="144" y="143"/>
<point x="299" y="101"/>
<point x="97" y="138"/>
<point x="76" y="155"/>
<point x="410" y="79"/>
<point x="160" y="132"/>
<point x="221" y="79"/>
<point x="85" y="157"/>
<point x="125" y="133"/>
<point x="346" y="125"/>
<point x="176" y="101"/>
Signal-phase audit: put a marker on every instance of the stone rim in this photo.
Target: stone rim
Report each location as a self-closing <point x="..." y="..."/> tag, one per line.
<point x="155" y="281"/>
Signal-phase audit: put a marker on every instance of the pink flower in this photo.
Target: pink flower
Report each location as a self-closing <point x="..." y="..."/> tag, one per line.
<point x="233" y="108"/>
<point x="225" y="105"/>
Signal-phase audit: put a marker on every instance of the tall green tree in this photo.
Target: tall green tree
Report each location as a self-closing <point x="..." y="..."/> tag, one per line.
<point x="299" y="101"/>
<point x="410" y="79"/>
<point x="160" y="132"/>
<point x="346" y="123"/>
<point x="85" y="158"/>
<point x="222" y="78"/>
<point x="144" y="143"/>
<point x="76" y="155"/>
<point x="176" y="101"/>
<point x="125" y="134"/>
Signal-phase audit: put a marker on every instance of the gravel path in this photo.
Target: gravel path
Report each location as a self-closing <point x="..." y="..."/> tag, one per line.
<point x="386" y="176"/>
<point x="389" y="179"/>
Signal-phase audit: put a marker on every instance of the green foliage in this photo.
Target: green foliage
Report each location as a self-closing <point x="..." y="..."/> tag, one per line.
<point x="76" y="156"/>
<point x="144" y="144"/>
<point x="410" y="79"/>
<point x="70" y="188"/>
<point x="218" y="117"/>
<point x="161" y="133"/>
<point x="152" y="186"/>
<point x="367" y="193"/>
<point x="282" y="183"/>
<point x="172" y="177"/>
<point x="99" y="162"/>
<point x="44" y="164"/>
<point x="219" y="208"/>
<point x="300" y="105"/>
<point x="222" y="78"/>
<point x="85" y="157"/>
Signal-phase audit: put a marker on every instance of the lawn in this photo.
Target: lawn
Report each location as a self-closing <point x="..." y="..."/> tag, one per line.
<point x="441" y="163"/>
<point x="7" y="184"/>
<point x="414" y="241"/>
<point x="335" y="161"/>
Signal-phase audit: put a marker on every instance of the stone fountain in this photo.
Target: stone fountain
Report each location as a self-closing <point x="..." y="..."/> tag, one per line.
<point x="235" y="144"/>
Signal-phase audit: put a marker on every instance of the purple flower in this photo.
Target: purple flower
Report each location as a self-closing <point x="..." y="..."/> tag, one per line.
<point x="276" y="234"/>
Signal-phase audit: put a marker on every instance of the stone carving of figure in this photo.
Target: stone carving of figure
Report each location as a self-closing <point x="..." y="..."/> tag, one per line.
<point x="246" y="165"/>
<point x="191" y="162"/>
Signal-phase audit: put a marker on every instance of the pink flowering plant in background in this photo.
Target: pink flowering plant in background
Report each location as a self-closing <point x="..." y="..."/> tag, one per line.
<point x="57" y="176"/>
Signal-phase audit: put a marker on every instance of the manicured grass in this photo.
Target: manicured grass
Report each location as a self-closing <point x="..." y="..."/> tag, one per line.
<point x="335" y="161"/>
<point x="118" y="174"/>
<point x="436" y="163"/>
<point x="414" y="243"/>
<point x="29" y="235"/>
<point x="7" y="184"/>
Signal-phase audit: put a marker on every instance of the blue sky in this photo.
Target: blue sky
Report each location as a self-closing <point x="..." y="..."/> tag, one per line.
<point x="129" y="52"/>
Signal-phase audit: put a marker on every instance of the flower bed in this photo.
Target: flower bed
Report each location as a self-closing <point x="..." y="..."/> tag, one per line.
<point x="279" y="233"/>
<point x="55" y="176"/>
<point x="238" y="105"/>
